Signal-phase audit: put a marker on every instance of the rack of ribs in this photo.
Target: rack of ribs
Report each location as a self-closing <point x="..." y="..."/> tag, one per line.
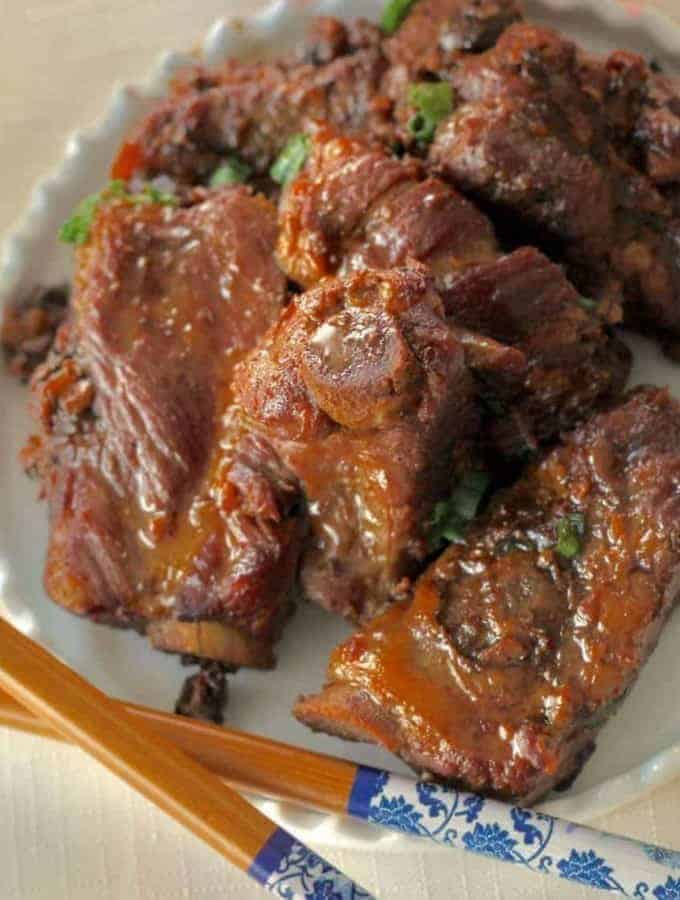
<point x="165" y="514"/>
<point x="517" y="643"/>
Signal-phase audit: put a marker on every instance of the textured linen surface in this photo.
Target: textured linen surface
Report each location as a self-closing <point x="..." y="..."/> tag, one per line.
<point x="68" y="829"/>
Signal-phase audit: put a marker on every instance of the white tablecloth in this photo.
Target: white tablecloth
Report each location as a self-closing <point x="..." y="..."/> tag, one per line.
<point x="69" y="830"/>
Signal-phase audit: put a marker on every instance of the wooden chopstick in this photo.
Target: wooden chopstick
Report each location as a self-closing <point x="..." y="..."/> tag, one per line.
<point x="537" y="842"/>
<point x="160" y="771"/>
<point x="248" y="762"/>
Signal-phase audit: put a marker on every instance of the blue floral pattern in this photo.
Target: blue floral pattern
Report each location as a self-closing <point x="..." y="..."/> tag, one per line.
<point x="397" y="813"/>
<point x="588" y="868"/>
<point x="668" y="891"/>
<point x="491" y="840"/>
<point x="293" y="872"/>
<point x="531" y="839"/>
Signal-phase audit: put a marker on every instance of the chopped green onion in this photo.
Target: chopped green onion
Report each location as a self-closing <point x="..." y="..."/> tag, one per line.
<point x="444" y="526"/>
<point x="468" y="494"/>
<point x="433" y="102"/>
<point x="233" y="171"/>
<point x="432" y="98"/>
<point x="451" y="517"/>
<point x="588" y="303"/>
<point x="291" y="159"/>
<point x="115" y="188"/>
<point x="393" y="14"/>
<point x="422" y="128"/>
<point x="570" y="530"/>
<point x="76" y="229"/>
<point x="151" y="194"/>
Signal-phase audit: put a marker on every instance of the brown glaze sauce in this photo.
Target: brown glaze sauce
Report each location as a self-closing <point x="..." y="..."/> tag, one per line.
<point x="167" y="302"/>
<point x="503" y="653"/>
<point x="357" y="387"/>
<point x="356" y="207"/>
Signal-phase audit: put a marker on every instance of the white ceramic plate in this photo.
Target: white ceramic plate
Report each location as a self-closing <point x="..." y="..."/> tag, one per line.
<point x="639" y="749"/>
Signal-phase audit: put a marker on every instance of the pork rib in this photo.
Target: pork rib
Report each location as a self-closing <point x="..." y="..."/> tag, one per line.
<point x="517" y="643"/>
<point x="165" y="514"/>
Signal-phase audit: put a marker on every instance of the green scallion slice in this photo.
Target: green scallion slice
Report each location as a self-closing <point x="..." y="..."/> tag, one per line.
<point x="393" y="14"/>
<point x="76" y="229"/>
<point x="115" y="189"/>
<point x="151" y="194"/>
<point x="233" y="170"/>
<point x="570" y="530"/>
<point x="422" y="128"/>
<point x="468" y="494"/>
<point x="451" y="517"/>
<point x="291" y="159"/>
<point x="445" y="526"/>
<point x="433" y="102"/>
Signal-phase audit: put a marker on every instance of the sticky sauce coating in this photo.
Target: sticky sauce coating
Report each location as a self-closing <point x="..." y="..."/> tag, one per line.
<point x="164" y="510"/>
<point x="511" y="654"/>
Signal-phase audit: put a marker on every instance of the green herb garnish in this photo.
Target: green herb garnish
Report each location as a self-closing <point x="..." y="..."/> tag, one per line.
<point x="115" y="189"/>
<point x="445" y="525"/>
<point x="151" y="194"/>
<point x="433" y="102"/>
<point x="394" y="13"/>
<point x="570" y="530"/>
<point x="233" y="171"/>
<point x="451" y="517"/>
<point x="468" y="494"/>
<point x="76" y="229"/>
<point x="291" y="159"/>
<point x="588" y="303"/>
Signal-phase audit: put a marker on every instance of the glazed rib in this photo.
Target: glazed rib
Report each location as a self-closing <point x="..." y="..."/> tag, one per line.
<point x="166" y="515"/>
<point x="363" y="390"/>
<point x="518" y="642"/>
<point x="254" y="108"/>
<point x="538" y="137"/>
<point x="580" y="155"/>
